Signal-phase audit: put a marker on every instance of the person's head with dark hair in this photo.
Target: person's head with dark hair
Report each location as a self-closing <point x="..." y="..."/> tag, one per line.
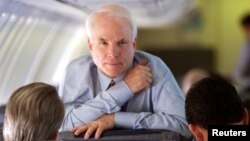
<point x="34" y="113"/>
<point x="246" y="103"/>
<point x="245" y="21"/>
<point x="213" y="101"/>
<point x="245" y="24"/>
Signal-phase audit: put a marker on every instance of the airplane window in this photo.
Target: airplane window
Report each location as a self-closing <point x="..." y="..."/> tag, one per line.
<point x="35" y="45"/>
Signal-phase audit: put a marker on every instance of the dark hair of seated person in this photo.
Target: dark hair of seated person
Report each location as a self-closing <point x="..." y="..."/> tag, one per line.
<point x="245" y="20"/>
<point x="213" y="101"/>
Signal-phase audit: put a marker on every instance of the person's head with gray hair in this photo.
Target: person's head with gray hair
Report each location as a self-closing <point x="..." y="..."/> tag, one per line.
<point x="118" y="12"/>
<point x="34" y="112"/>
<point x="112" y="36"/>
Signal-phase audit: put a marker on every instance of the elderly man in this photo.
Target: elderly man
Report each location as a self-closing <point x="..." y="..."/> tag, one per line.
<point x="118" y="86"/>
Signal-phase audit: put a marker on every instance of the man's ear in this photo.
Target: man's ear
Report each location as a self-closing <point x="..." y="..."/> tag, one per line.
<point x="135" y="43"/>
<point x="245" y="117"/>
<point x="89" y="44"/>
<point x="54" y="136"/>
<point x="196" y="131"/>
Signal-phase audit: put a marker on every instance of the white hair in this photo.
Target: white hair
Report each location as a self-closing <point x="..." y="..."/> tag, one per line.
<point x="114" y="10"/>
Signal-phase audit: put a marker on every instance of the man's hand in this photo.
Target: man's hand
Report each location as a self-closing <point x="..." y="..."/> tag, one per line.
<point x="139" y="77"/>
<point x="98" y="126"/>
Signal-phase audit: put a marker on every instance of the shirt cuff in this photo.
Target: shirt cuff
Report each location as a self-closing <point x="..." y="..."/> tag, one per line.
<point x="125" y="119"/>
<point x="120" y="92"/>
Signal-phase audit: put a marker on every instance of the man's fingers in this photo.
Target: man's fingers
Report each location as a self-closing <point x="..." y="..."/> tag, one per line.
<point x="73" y="129"/>
<point x="149" y="79"/>
<point x="144" y="62"/>
<point x="90" y="131"/>
<point x="146" y="68"/>
<point x="77" y="131"/>
<point x="99" y="132"/>
<point x="148" y="76"/>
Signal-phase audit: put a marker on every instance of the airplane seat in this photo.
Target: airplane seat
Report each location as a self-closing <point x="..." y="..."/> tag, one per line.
<point x="128" y="135"/>
<point x="2" y="110"/>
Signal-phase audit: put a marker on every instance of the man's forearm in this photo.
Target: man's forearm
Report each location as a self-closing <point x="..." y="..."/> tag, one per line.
<point x="104" y="103"/>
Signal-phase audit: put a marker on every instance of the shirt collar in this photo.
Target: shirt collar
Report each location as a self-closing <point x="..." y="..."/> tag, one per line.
<point x="105" y="80"/>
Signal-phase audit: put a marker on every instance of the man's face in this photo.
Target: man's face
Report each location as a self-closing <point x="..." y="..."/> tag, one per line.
<point x="111" y="45"/>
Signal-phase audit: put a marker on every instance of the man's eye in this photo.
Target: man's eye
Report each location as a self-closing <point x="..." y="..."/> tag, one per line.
<point x="103" y="43"/>
<point x="122" y="43"/>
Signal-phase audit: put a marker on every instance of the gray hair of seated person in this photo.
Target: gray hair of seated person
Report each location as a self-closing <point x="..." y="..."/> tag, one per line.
<point x="116" y="11"/>
<point x="34" y="113"/>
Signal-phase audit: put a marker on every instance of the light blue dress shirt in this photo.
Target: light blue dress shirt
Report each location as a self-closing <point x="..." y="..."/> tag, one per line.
<point x="242" y="70"/>
<point x="86" y="97"/>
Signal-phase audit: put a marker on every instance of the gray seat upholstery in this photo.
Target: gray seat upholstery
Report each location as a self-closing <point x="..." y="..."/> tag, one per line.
<point x="129" y="135"/>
